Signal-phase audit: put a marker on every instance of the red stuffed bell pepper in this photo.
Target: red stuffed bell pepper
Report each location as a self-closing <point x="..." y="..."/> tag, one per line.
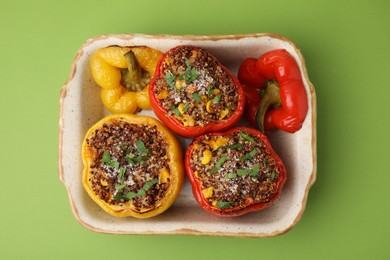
<point x="234" y="172"/>
<point x="193" y="93"/>
<point x="282" y="103"/>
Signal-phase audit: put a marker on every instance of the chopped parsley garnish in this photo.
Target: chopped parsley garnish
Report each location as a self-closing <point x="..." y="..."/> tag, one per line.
<point x="176" y="110"/>
<point x="251" y="172"/>
<point x="273" y="175"/>
<point x="170" y="78"/>
<point x="233" y="146"/>
<point x="247" y="137"/>
<point x="106" y="159"/>
<point x="186" y="107"/>
<point x="141" y="147"/>
<point x="119" y="187"/>
<point x="190" y="74"/>
<point x="224" y="204"/>
<point x="230" y="176"/>
<point x="132" y="159"/>
<point x="249" y="155"/>
<point x="121" y="174"/>
<point x="196" y="97"/>
<point x="218" y="165"/>
<point x="140" y="193"/>
<point x="216" y="99"/>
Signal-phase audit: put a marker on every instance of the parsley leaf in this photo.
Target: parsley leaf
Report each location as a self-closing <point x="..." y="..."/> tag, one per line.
<point x="230" y="176"/>
<point x="251" y="172"/>
<point x="216" y="99"/>
<point x="247" y="137"/>
<point x="106" y="157"/>
<point x="249" y="155"/>
<point x="122" y="172"/>
<point x="170" y="78"/>
<point x="176" y="110"/>
<point x="224" y="204"/>
<point x="141" y="147"/>
<point x="233" y="146"/>
<point x="218" y="165"/>
<point x="196" y="97"/>
<point x="119" y="187"/>
<point x="190" y="74"/>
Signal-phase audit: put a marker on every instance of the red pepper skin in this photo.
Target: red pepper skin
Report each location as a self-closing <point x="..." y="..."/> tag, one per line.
<point x="233" y="212"/>
<point x="278" y="65"/>
<point x="252" y="82"/>
<point x="192" y="131"/>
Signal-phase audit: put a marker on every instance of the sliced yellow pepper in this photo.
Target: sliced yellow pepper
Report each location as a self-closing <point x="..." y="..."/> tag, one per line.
<point x="123" y="73"/>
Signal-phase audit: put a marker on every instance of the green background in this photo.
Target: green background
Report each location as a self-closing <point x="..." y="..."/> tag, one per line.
<point x="346" y="47"/>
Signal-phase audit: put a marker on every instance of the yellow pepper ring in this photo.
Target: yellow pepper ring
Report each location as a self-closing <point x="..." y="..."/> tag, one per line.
<point x="110" y="65"/>
<point x="173" y="174"/>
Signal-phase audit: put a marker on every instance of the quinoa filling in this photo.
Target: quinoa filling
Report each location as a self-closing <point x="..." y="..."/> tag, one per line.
<point x="130" y="164"/>
<point x="194" y="88"/>
<point x="235" y="170"/>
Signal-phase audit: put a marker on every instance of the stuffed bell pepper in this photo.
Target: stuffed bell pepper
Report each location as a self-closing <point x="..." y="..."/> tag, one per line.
<point x="132" y="165"/>
<point x="124" y="74"/>
<point x="193" y="93"/>
<point x="234" y="172"/>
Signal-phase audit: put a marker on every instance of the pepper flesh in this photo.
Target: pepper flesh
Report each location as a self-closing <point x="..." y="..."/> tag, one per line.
<point x="288" y="109"/>
<point x="175" y="174"/>
<point x="123" y="74"/>
<point x="201" y="194"/>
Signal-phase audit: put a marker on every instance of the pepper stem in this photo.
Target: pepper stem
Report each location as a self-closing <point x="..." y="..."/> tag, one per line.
<point x="270" y="97"/>
<point x="134" y="78"/>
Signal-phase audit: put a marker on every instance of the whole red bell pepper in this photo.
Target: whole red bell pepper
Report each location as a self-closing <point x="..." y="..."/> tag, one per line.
<point x="189" y="85"/>
<point x="276" y="95"/>
<point x="234" y="172"/>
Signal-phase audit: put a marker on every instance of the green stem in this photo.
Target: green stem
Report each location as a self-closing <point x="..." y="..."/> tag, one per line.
<point x="134" y="78"/>
<point x="271" y="97"/>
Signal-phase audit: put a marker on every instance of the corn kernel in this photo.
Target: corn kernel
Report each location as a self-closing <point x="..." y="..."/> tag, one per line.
<point x="179" y="83"/>
<point x="163" y="175"/>
<point x="224" y="113"/>
<point x="214" y="203"/>
<point x="103" y="182"/>
<point x="188" y="120"/>
<point x="221" y="141"/>
<point x="216" y="91"/>
<point x="206" y="156"/>
<point x="208" y="192"/>
<point x="181" y="107"/>
<point x="196" y="173"/>
<point x="195" y="146"/>
<point x="208" y="106"/>
<point x="163" y="94"/>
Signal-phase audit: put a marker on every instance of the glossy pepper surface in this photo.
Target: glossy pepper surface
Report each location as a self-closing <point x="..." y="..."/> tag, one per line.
<point x="234" y="172"/>
<point x="118" y="171"/>
<point x="282" y="103"/>
<point x="201" y="81"/>
<point x="124" y="73"/>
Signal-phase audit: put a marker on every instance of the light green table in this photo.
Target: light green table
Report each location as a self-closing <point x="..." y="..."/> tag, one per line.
<point x="346" y="47"/>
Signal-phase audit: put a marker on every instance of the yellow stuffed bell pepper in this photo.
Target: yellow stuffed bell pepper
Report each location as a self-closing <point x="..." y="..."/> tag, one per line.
<point x="133" y="165"/>
<point x="124" y="73"/>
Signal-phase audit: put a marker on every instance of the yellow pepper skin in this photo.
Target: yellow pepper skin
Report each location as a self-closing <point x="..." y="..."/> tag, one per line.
<point x="172" y="175"/>
<point x="106" y="65"/>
